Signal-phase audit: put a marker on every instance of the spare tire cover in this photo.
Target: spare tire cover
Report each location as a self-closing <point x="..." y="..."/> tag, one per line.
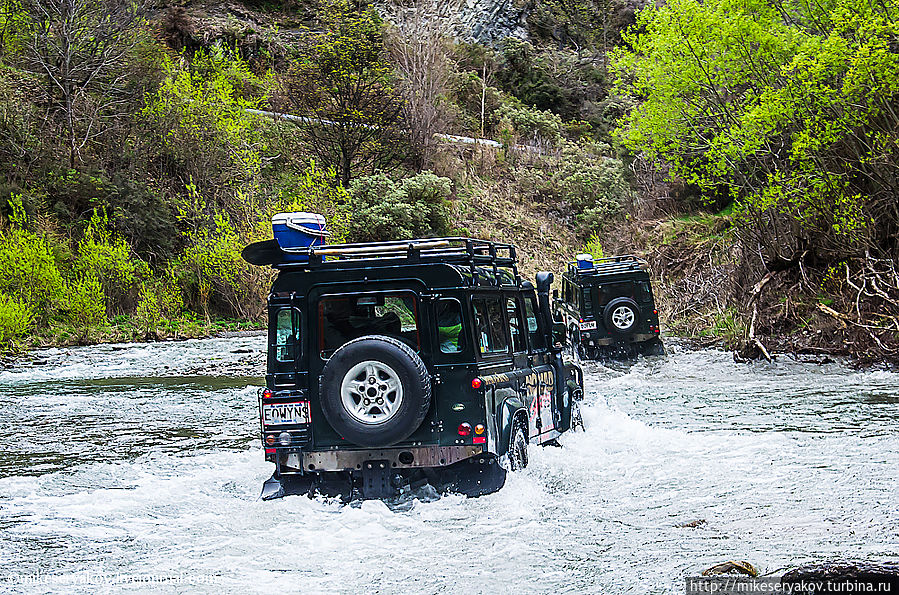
<point x="375" y="391"/>
<point x="622" y="316"/>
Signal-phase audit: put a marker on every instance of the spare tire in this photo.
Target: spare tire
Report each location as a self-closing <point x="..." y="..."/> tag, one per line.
<point x="622" y="316"/>
<point x="375" y="391"/>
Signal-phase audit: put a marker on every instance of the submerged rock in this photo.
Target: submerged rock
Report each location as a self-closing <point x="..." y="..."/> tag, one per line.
<point x="732" y="567"/>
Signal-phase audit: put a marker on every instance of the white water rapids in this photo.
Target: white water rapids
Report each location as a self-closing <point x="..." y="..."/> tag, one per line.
<point x="137" y="468"/>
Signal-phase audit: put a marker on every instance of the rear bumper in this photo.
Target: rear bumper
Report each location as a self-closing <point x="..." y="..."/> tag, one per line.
<point x="473" y="477"/>
<point x="396" y="458"/>
<point x="594" y="338"/>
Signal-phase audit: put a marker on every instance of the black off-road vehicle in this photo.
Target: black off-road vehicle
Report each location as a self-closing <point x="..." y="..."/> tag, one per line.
<point x="608" y="308"/>
<point x="395" y="364"/>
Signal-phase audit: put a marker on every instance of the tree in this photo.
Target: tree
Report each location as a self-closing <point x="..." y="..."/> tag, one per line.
<point x="343" y="86"/>
<point x="420" y="47"/>
<point x="80" y="48"/>
<point x="789" y="109"/>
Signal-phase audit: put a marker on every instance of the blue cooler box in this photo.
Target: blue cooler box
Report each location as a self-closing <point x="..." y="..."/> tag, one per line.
<point x="584" y="262"/>
<point x="296" y="232"/>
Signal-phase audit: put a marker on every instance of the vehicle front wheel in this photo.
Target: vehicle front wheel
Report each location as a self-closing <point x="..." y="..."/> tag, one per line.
<point x="577" y="420"/>
<point x="574" y="344"/>
<point x="518" y="448"/>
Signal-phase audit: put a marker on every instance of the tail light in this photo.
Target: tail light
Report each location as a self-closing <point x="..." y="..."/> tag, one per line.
<point x="464" y="429"/>
<point x="267" y="394"/>
<point x="476" y="383"/>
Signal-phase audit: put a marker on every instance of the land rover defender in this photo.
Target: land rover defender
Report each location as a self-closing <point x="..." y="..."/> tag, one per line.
<point x="608" y="308"/>
<point x="395" y="364"/>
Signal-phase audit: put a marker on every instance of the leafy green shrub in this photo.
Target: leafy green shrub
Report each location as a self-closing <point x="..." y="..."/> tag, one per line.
<point x="143" y="218"/>
<point x="212" y="272"/>
<point x="429" y="192"/>
<point x="28" y="269"/>
<point x="594" y="247"/>
<point x="15" y="318"/>
<point x="159" y="299"/>
<point x="584" y="183"/>
<point x="530" y="123"/>
<point x="85" y="303"/>
<point x="595" y="190"/>
<point x="109" y="259"/>
<point x="386" y="210"/>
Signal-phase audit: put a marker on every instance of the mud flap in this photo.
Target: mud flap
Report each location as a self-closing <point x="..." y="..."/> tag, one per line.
<point x="332" y="485"/>
<point x="271" y="489"/>
<point x="473" y="477"/>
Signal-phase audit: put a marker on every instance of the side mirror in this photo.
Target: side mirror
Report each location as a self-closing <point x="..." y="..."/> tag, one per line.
<point x="560" y="336"/>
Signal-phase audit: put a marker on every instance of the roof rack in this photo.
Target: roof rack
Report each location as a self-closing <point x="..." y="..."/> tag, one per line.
<point x="475" y="254"/>
<point x="611" y="265"/>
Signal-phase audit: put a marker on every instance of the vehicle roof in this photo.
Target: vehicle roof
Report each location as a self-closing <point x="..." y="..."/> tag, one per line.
<point x="625" y="266"/>
<point x="437" y="263"/>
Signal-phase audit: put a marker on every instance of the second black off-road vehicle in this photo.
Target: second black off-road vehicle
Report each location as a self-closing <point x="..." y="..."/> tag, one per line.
<point x="608" y="308"/>
<point x="396" y="364"/>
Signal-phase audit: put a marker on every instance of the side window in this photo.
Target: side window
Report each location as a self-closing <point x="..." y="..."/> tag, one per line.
<point x="565" y="296"/>
<point x="287" y="335"/>
<point x="490" y="325"/>
<point x="346" y="317"/>
<point x="530" y="315"/>
<point x="588" y="298"/>
<point x="448" y="314"/>
<point x="515" y="330"/>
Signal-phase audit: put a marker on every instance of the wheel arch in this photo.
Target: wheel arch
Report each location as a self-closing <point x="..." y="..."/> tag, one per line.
<point x="510" y="411"/>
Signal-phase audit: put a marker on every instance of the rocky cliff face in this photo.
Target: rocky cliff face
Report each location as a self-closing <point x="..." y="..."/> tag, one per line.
<point x="486" y="21"/>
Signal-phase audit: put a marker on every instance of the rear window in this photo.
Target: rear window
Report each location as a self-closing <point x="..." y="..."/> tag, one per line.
<point x="287" y="334"/>
<point x="344" y="318"/>
<point x="610" y="291"/>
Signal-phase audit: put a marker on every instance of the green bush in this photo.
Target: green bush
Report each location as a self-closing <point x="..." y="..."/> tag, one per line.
<point x="429" y="192"/>
<point x="584" y="184"/>
<point x="386" y="210"/>
<point x="530" y="123"/>
<point x="212" y="272"/>
<point x="159" y="299"/>
<point x="28" y="269"/>
<point x="15" y="318"/>
<point x="85" y="303"/>
<point x="109" y="259"/>
<point x="596" y="191"/>
<point x="594" y="247"/>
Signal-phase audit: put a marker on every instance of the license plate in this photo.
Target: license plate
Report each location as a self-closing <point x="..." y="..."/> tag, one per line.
<point x="280" y="414"/>
<point x="590" y="325"/>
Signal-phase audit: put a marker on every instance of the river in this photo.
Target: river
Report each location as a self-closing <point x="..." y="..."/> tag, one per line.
<point x="127" y="468"/>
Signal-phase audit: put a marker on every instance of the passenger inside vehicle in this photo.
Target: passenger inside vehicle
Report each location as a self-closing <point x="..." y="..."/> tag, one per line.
<point x="449" y="325"/>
